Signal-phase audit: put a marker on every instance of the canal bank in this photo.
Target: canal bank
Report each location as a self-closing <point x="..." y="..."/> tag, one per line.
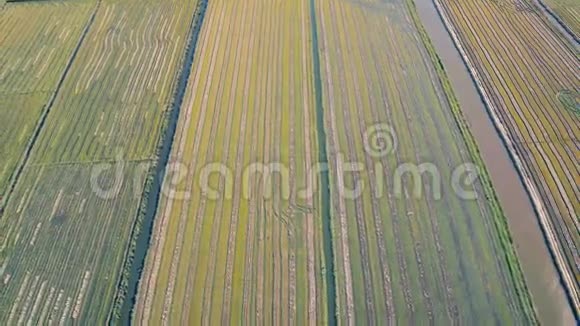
<point x="541" y="275"/>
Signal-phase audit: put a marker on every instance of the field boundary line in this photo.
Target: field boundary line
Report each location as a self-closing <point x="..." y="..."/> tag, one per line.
<point x="41" y="121"/>
<point x="549" y="141"/>
<point x="65" y="163"/>
<point x="547" y="228"/>
<point x="41" y="91"/>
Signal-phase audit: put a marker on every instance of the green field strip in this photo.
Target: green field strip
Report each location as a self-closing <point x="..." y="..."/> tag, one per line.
<point x="501" y="227"/>
<point x="66" y="211"/>
<point x="136" y="254"/>
<point x="31" y="72"/>
<point x="427" y="245"/>
<point x="89" y="85"/>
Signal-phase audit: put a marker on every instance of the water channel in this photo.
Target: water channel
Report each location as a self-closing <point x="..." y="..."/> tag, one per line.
<point x="539" y="269"/>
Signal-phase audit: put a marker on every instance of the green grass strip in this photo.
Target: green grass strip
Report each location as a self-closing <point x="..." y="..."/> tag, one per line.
<point x="499" y="218"/>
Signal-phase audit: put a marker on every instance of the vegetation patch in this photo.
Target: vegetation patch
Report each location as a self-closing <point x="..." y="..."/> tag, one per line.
<point x="570" y="100"/>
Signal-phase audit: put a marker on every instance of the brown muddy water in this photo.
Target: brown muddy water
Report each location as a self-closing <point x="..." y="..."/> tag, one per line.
<point x="542" y="278"/>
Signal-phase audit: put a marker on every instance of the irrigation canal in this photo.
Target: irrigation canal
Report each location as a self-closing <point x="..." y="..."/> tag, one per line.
<point x="542" y="278"/>
<point x="324" y="178"/>
<point x="143" y="236"/>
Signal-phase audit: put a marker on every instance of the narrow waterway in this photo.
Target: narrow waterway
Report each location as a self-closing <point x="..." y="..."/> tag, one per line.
<point x="142" y="236"/>
<point x="328" y="249"/>
<point x="539" y="269"/>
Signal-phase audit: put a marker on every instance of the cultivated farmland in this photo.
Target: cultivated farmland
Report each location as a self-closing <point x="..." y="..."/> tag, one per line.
<point x="406" y="255"/>
<point x="317" y="168"/>
<point x="254" y="253"/>
<point x="299" y="82"/>
<point x="33" y="56"/>
<point x="66" y="228"/>
<point x="528" y="74"/>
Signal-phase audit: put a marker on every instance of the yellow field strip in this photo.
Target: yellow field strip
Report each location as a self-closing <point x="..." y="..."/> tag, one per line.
<point x="252" y="253"/>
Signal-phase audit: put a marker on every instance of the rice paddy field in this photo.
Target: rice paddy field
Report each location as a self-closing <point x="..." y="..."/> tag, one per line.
<point x="405" y="256"/>
<point x="299" y="83"/>
<point x="253" y="255"/>
<point x="33" y="56"/>
<point x="528" y="75"/>
<point x="296" y="162"/>
<point x="102" y="74"/>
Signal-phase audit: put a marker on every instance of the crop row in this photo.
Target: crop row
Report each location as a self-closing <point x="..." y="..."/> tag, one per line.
<point x="523" y="65"/>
